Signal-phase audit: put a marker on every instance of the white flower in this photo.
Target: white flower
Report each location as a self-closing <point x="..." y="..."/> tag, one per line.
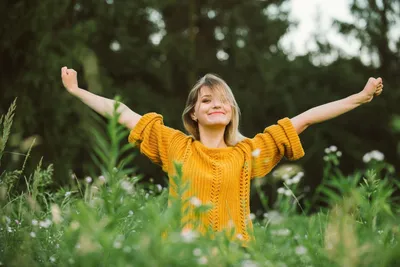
<point x="377" y="155"/>
<point x="252" y="216"/>
<point x="195" y="201"/>
<point x="249" y="263"/>
<point x="115" y="46"/>
<point x="52" y="259"/>
<point x="45" y="224"/>
<point x="281" y="190"/>
<point x="67" y="194"/>
<point x="33" y="234"/>
<point x="8" y="220"/>
<point x="275" y="174"/>
<point x="288" y="169"/>
<point x="117" y="244"/>
<point x="296" y="179"/>
<point x="327" y="150"/>
<point x="285" y="176"/>
<point x="102" y="178"/>
<point x="288" y="192"/>
<point x="88" y="179"/>
<point x="159" y="187"/>
<point x="339" y="154"/>
<point x="273" y="217"/>
<point x="188" y="236"/>
<point x="366" y="158"/>
<point x="300" y="250"/>
<point x="333" y="148"/>
<point x="127" y="186"/>
<point x="289" y="182"/>
<point x="202" y="260"/>
<point x="256" y="152"/>
<point x="130" y="213"/>
<point x="239" y="236"/>
<point x="34" y="222"/>
<point x="281" y="232"/>
<point x="197" y="252"/>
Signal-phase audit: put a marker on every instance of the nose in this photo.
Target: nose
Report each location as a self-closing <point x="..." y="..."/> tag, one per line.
<point x="217" y="103"/>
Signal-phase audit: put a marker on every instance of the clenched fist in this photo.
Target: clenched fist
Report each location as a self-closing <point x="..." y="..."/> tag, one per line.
<point x="374" y="87"/>
<point x="69" y="79"/>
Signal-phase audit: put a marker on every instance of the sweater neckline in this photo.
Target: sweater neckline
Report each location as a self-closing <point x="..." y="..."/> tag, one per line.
<point x="206" y="149"/>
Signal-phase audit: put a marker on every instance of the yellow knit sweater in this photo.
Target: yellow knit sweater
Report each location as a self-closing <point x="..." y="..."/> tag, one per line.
<point x="218" y="176"/>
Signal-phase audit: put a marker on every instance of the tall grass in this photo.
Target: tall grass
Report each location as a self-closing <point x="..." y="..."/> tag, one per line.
<point x="111" y="219"/>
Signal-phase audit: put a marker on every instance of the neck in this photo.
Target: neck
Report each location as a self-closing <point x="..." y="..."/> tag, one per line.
<point x="212" y="137"/>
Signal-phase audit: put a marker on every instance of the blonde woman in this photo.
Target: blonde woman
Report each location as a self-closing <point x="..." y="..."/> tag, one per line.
<point x="217" y="160"/>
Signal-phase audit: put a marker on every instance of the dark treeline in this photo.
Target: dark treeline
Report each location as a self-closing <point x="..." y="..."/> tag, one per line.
<point x="113" y="46"/>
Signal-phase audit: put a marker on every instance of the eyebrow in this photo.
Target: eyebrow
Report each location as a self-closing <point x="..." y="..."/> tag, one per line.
<point x="206" y="96"/>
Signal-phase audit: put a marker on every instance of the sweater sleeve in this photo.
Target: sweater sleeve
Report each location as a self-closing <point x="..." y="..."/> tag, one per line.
<point x="153" y="138"/>
<point x="269" y="147"/>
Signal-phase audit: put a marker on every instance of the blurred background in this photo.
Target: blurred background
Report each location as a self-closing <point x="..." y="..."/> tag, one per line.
<point x="280" y="58"/>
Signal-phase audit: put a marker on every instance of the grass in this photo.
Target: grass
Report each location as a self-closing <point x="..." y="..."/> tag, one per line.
<point x="113" y="219"/>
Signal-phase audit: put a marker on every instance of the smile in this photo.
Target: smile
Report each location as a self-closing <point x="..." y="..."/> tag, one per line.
<point x="218" y="112"/>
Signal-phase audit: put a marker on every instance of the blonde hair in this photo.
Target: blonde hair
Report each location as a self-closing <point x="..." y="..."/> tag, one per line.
<point x="232" y="135"/>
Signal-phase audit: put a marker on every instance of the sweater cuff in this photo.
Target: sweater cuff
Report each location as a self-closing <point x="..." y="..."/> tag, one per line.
<point x="296" y="150"/>
<point x="135" y="135"/>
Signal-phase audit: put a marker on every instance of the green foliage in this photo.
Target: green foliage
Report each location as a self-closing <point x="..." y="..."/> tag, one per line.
<point x="114" y="220"/>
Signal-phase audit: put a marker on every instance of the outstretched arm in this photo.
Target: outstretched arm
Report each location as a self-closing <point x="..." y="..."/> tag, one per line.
<point x="101" y="105"/>
<point x="331" y="110"/>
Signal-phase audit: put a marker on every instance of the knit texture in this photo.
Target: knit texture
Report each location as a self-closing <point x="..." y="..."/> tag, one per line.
<point x="217" y="176"/>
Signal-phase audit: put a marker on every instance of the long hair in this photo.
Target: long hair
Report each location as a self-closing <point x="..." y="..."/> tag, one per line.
<point x="232" y="135"/>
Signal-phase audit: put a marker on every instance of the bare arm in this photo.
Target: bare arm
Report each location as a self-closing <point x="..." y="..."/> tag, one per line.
<point x="101" y="105"/>
<point x="331" y="110"/>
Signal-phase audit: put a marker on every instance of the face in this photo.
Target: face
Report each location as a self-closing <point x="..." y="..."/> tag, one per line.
<point x="212" y="109"/>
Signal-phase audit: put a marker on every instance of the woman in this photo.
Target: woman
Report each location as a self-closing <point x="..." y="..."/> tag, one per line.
<point x="217" y="161"/>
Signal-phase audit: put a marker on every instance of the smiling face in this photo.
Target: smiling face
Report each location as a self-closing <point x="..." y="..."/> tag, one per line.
<point x="212" y="108"/>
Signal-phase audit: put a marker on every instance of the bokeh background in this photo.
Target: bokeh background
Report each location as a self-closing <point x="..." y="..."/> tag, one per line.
<point x="151" y="52"/>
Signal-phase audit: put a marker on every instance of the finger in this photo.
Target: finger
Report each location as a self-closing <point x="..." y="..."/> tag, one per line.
<point x="63" y="69"/>
<point x="379" y="80"/>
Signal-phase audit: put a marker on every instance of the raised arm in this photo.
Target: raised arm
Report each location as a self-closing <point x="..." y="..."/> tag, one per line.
<point x="331" y="110"/>
<point x="101" y="105"/>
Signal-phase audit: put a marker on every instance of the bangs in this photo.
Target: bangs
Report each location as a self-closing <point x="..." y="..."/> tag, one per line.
<point x="219" y="91"/>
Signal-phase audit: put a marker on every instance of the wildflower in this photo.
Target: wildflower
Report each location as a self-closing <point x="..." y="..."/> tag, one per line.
<point x="326" y="158"/>
<point x="281" y="190"/>
<point x="202" y="260"/>
<point x="17" y="222"/>
<point x="45" y="224"/>
<point x="239" y="236"/>
<point x="288" y="181"/>
<point x="52" y="259"/>
<point x="249" y="263"/>
<point x="281" y="232"/>
<point x="374" y="154"/>
<point x="273" y="217"/>
<point x="117" y="244"/>
<point x="159" y="187"/>
<point x="296" y="179"/>
<point x="195" y="201"/>
<point x="130" y="213"/>
<point x="339" y="154"/>
<point x="33" y="234"/>
<point x="127" y="186"/>
<point x="74" y="225"/>
<point x="327" y="150"/>
<point x="9" y="229"/>
<point x="102" y="179"/>
<point x="67" y="194"/>
<point x="197" y="252"/>
<point x="88" y="179"/>
<point x="56" y="214"/>
<point x="300" y="250"/>
<point x="256" y="152"/>
<point x="285" y="176"/>
<point x="34" y="222"/>
<point x="252" y="216"/>
<point x="288" y="192"/>
<point x="288" y="169"/>
<point x="333" y="148"/>
<point x="188" y="236"/>
<point x="8" y="220"/>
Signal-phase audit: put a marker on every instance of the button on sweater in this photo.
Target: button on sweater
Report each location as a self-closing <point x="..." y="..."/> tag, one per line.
<point x="217" y="176"/>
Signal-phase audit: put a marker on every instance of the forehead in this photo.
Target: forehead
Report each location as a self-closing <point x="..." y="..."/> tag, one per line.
<point x="214" y="92"/>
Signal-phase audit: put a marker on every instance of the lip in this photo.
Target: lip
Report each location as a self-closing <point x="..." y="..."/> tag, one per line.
<point x="217" y="112"/>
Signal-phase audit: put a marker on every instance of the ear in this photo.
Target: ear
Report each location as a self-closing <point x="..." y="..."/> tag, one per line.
<point x="193" y="117"/>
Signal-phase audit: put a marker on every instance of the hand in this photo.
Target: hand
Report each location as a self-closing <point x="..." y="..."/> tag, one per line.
<point x="69" y="79"/>
<point x="374" y="87"/>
